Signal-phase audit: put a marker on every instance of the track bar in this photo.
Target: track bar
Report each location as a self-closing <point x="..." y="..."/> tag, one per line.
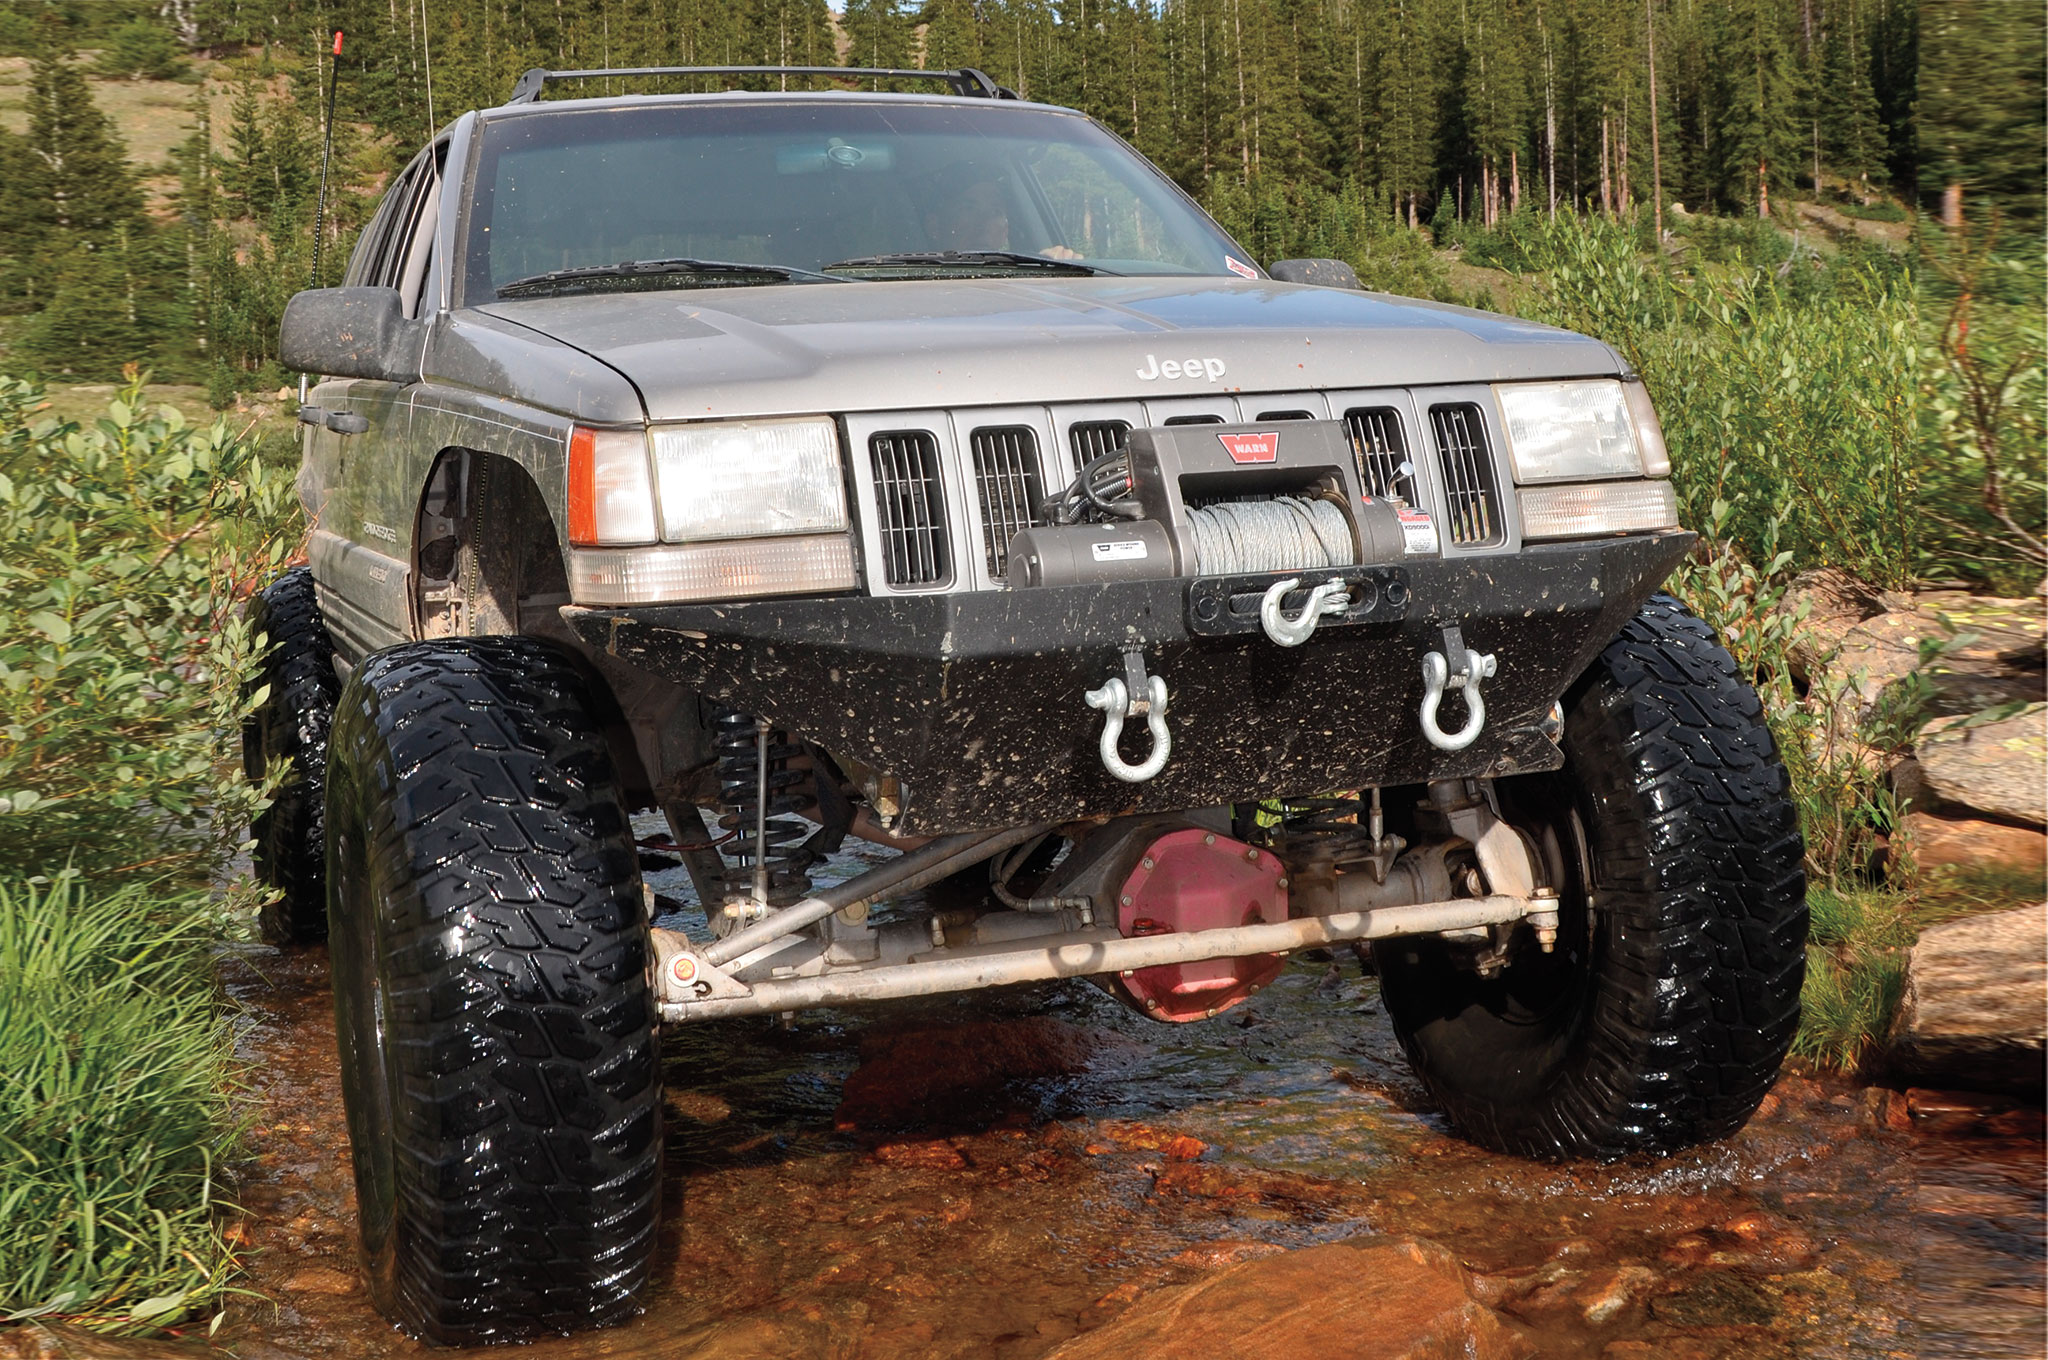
<point x="1101" y="950"/>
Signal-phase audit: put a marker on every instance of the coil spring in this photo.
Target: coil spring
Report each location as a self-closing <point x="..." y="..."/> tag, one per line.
<point x="1331" y="821"/>
<point x="736" y="741"/>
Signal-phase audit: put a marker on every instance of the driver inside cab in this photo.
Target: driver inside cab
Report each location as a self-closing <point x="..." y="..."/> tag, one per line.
<point x="969" y="209"/>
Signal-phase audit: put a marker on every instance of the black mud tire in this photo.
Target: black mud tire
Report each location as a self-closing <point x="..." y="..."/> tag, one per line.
<point x="291" y="724"/>
<point x="1662" y="1017"/>
<point x="492" y="999"/>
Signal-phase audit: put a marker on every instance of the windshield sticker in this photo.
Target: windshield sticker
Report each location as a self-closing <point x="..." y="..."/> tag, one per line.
<point x="1418" y="533"/>
<point x="1239" y="267"/>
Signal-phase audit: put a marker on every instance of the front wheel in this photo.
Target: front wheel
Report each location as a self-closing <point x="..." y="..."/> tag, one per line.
<point x="1671" y="997"/>
<point x="491" y="995"/>
<point x="296" y="668"/>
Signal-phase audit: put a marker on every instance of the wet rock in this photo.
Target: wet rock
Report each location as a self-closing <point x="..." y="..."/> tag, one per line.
<point x="1951" y="1114"/>
<point x="1964" y="843"/>
<point x="1609" y="1294"/>
<point x="1997" y="769"/>
<point x="699" y="1107"/>
<point x="1976" y="995"/>
<point x="929" y="1154"/>
<point x="322" y="1280"/>
<point x="61" y="1341"/>
<point x="956" y="1075"/>
<point x="1213" y="1255"/>
<point x="1178" y="1147"/>
<point x="1409" y="1297"/>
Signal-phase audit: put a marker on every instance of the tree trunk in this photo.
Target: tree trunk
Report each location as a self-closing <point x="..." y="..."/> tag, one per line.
<point x="1952" y="206"/>
<point x="1656" y="152"/>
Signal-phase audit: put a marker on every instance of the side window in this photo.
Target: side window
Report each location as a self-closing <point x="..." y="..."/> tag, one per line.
<point x="418" y="259"/>
<point x="370" y="267"/>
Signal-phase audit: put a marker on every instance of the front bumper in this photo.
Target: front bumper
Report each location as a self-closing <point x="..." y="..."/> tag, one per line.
<point x="973" y="700"/>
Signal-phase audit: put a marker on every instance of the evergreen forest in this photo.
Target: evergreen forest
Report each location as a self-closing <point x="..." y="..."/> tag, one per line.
<point x="1308" y="126"/>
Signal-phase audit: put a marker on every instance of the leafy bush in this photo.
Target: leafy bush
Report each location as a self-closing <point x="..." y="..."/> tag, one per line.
<point x="127" y="547"/>
<point x="115" y="1113"/>
<point x="121" y="639"/>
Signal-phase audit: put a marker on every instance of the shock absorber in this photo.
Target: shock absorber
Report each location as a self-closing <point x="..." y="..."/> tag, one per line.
<point x="767" y="845"/>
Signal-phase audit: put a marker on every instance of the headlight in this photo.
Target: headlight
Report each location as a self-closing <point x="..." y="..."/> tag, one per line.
<point x="1569" y="431"/>
<point x="1593" y="509"/>
<point x="748" y="479"/>
<point x="724" y="510"/>
<point x="730" y="570"/>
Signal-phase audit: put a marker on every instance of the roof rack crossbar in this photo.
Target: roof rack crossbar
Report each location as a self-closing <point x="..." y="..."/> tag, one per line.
<point x="965" y="81"/>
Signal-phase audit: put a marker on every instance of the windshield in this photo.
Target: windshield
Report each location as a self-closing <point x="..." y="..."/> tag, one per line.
<point x="880" y="190"/>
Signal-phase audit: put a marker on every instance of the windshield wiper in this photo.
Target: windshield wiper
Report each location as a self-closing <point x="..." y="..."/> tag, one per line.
<point x="968" y="259"/>
<point x="629" y="274"/>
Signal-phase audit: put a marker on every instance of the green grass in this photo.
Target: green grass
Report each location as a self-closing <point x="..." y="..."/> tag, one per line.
<point x="1858" y="947"/>
<point x="115" y="1115"/>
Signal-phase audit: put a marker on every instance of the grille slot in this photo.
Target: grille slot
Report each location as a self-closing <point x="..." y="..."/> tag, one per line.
<point x="1285" y="415"/>
<point x="1093" y="438"/>
<point x="1381" y="451"/>
<point x="1470" y="497"/>
<point x="1197" y="420"/>
<point x="1006" y="477"/>
<point x="911" y="508"/>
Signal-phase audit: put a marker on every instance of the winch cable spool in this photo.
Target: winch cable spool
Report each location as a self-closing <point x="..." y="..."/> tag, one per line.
<point x="1287" y="533"/>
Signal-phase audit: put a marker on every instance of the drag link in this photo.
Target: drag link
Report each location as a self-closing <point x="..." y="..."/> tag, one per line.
<point x="908" y="872"/>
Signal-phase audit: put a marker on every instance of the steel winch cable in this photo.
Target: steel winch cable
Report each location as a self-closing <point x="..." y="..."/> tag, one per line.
<point x="1287" y="533"/>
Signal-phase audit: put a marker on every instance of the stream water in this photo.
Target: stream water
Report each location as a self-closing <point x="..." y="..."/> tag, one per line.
<point x="992" y="1175"/>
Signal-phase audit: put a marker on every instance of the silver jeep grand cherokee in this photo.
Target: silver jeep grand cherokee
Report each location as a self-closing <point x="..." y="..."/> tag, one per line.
<point x="929" y="469"/>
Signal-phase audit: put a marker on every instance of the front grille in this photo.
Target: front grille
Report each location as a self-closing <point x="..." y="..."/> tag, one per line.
<point x="911" y="508"/>
<point x="1470" y="498"/>
<point x="1006" y="476"/>
<point x="1382" y="454"/>
<point x="1093" y="438"/>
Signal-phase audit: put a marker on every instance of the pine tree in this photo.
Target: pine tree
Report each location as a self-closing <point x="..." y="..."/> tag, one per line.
<point x="76" y="187"/>
<point x="1757" y="137"/>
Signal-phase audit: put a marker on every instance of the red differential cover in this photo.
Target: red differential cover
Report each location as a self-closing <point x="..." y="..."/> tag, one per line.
<point x="1198" y="880"/>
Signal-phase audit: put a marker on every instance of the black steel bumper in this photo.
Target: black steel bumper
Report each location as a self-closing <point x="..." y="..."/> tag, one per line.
<point x="973" y="700"/>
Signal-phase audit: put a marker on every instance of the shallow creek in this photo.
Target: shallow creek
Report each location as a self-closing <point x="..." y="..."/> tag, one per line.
<point x="992" y="1175"/>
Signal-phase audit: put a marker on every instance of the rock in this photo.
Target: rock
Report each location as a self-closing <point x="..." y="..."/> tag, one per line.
<point x="925" y="1155"/>
<point x="1999" y="769"/>
<point x="1409" y="1298"/>
<point x="61" y="1341"/>
<point x="1961" y="843"/>
<point x="1834" y="602"/>
<point x="1976" y="994"/>
<point x="1229" y="1252"/>
<point x="322" y="1280"/>
<point x="1991" y="649"/>
<point x="1607" y="1295"/>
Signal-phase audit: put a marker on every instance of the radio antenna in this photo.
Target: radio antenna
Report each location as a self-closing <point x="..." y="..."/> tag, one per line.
<point x="320" y="204"/>
<point x="427" y="48"/>
<point x="326" y="151"/>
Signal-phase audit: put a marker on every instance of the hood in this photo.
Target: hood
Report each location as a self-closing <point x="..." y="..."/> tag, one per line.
<point x="806" y="348"/>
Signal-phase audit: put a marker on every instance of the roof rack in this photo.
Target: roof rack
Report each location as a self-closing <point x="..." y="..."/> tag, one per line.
<point x="965" y="81"/>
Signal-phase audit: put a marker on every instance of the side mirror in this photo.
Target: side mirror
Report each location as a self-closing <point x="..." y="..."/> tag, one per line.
<point x="351" y="333"/>
<point x="1319" y="273"/>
